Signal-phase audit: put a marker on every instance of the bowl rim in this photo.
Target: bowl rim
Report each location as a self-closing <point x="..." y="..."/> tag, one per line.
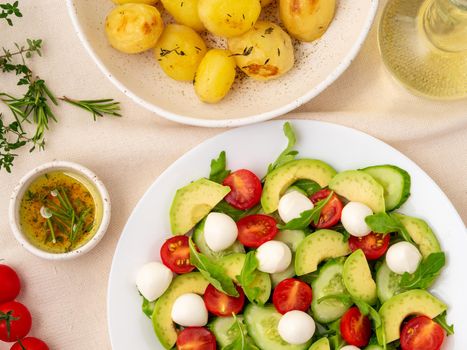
<point x="221" y="123"/>
<point x="27" y="179"/>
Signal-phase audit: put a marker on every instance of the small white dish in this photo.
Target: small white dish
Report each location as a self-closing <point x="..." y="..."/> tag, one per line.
<point x="25" y="182"/>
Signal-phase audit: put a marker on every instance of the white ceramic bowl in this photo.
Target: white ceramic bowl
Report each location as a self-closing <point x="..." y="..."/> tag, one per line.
<point x="22" y="186"/>
<point x="317" y="66"/>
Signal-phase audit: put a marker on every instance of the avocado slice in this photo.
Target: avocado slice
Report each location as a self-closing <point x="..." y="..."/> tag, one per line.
<point x="162" y="323"/>
<point x="193" y="202"/>
<point x="233" y="265"/>
<point x="414" y="302"/>
<point x="322" y="344"/>
<point x="421" y="233"/>
<point x="279" y="180"/>
<point x="358" y="186"/>
<point x="357" y="278"/>
<point x="320" y="245"/>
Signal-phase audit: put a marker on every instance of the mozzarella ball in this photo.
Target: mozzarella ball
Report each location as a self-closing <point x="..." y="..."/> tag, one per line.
<point x="296" y="327"/>
<point x="220" y="231"/>
<point x="292" y="204"/>
<point x="153" y="279"/>
<point x="189" y="310"/>
<point x="403" y="257"/>
<point x="353" y="218"/>
<point x="350" y="347"/>
<point x="273" y="256"/>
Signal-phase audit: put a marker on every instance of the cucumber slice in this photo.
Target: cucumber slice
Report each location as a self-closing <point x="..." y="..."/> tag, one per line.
<point x="200" y="242"/>
<point x="395" y="181"/>
<point x="276" y="278"/>
<point x="321" y="344"/>
<point x="329" y="282"/>
<point x="222" y="329"/>
<point x="291" y="237"/>
<point x="261" y="322"/>
<point x="387" y="283"/>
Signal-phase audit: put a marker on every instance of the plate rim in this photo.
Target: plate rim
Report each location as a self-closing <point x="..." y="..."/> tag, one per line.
<point x="221" y="123"/>
<point x="457" y="220"/>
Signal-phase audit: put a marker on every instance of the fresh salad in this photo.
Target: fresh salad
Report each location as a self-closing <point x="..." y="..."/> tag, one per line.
<point x="306" y="258"/>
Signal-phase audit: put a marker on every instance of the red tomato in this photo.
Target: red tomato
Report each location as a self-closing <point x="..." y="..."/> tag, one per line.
<point x="30" y="343"/>
<point x="221" y="304"/>
<point x="175" y="254"/>
<point x="15" y="321"/>
<point x="196" y="338"/>
<point x="292" y="294"/>
<point x="245" y="189"/>
<point x="355" y="327"/>
<point x="254" y="230"/>
<point x="331" y="212"/>
<point x="9" y="284"/>
<point x="422" y="333"/>
<point x="374" y="245"/>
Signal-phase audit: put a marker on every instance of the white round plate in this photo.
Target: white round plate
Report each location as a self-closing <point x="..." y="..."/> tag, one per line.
<point x="254" y="147"/>
<point x="317" y="66"/>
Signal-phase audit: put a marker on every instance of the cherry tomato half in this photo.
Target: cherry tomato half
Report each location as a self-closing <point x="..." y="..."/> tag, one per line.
<point x="422" y="333"/>
<point x="30" y="343"/>
<point x="9" y="284"/>
<point x="16" y="317"/>
<point x="175" y="254"/>
<point x="196" y="338"/>
<point x="374" y="245"/>
<point x="254" y="230"/>
<point x="331" y="212"/>
<point x="292" y="294"/>
<point x="355" y="327"/>
<point x="221" y="304"/>
<point x="245" y="189"/>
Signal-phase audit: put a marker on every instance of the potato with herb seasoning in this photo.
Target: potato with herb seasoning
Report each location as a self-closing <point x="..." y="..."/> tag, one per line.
<point x="134" y="28"/>
<point x="179" y="52"/>
<point x="215" y="75"/>
<point x="148" y="2"/>
<point x="263" y="53"/>
<point x="184" y="12"/>
<point x="229" y="18"/>
<point x="307" y="20"/>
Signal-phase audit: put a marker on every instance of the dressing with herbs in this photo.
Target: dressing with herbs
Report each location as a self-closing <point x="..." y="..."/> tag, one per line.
<point x="60" y="212"/>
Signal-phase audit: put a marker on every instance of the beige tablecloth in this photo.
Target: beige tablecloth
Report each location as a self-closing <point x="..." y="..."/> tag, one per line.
<point x="68" y="299"/>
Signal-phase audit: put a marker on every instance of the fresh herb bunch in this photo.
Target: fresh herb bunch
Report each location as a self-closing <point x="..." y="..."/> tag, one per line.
<point x="9" y="10"/>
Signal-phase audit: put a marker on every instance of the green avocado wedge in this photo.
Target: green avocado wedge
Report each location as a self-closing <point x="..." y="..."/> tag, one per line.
<point x="321" y="344"/>
<point x="398" y="308"/>
<point x="279" y="180"/>
<point x="357" y="278"/>
<point x="193" y="202"/>
<point x="162" y="322"/>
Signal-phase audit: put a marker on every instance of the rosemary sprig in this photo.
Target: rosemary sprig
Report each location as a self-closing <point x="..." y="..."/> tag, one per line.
<point x="9" y="10"/>
<point x="98" y="108"/>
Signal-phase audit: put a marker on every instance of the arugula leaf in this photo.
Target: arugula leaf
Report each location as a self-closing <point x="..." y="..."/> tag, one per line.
<point x="367" y="310"/>
<point x="241" y="341"/>
<point x="336" y="340"/>
<point x="342" y="297"/>
<point x="310" y="187"/>
<point x="218" y="169"/>
<point x="212" y="271"/>
<point x="385" y="223"/>
<point x="148" y="307"/>
<point x="427" y="272"/>
<point x="234" y="213"/>
<point x="306" y="217"/>
<point x="247" y="277"/>
<point x="443" y="322"/>
<point x="288" y="154"/>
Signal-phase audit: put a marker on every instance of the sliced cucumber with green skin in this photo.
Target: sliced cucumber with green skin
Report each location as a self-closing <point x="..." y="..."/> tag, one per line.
<point x="222" y="329"/>
<point x="329" y="282"/>
<point x="278" y="277"/>
<point x="395" y="181"/>
<point x="291" y="237"/>
<point x="261" y="322"/>
<point x="321" y="344"/>
<point x="387" y="283"/>
<point x="200" y="242"/>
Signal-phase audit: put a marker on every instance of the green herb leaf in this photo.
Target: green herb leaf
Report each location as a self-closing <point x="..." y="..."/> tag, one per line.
<point x="98" y="108"/>
<point x="289" y="153"/>
<point x="427" y="272"/>
<point x="443" y="322"/>
<point x="234" y="213"/>
<point x="307" y="217"/>
<point x="247" y="277"/>
<point x="148" y="307"/>
<point x="385" y="223"/>
<point x="310" y="187"/>
<point x="212" y="271"/>
<point x="218" y="169"/>
<point x="241" y="341"/>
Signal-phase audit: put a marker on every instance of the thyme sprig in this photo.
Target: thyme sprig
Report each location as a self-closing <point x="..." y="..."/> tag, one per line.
<point x="98" y="108"/>
<point x="10" y="10"/>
